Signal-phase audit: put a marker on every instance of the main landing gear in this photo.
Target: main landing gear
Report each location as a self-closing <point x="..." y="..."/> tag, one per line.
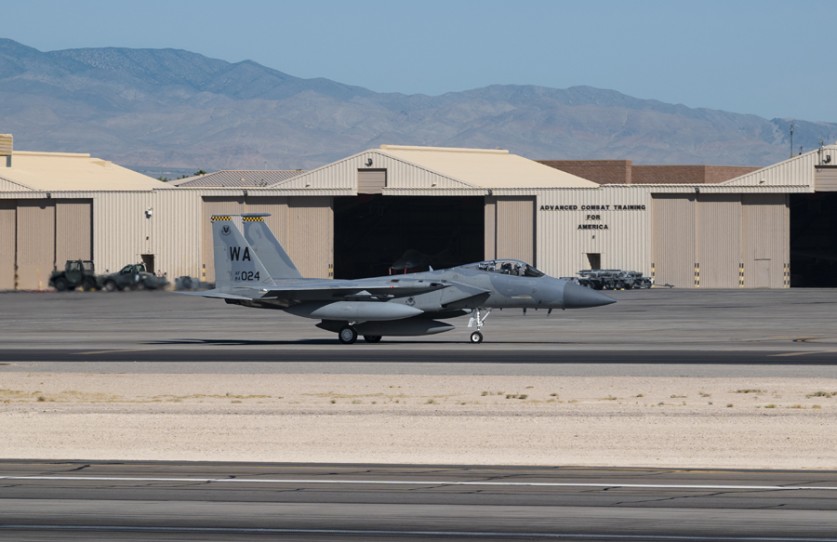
<point x="348" y="335"/>
<point x="477" y="319"/>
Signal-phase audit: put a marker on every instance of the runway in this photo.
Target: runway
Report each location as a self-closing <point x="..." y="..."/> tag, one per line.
<point x="787" y="334"/>
<point x="648" y="332"/>
<point x="209" y="352"/>
<point x="228" y="501"/>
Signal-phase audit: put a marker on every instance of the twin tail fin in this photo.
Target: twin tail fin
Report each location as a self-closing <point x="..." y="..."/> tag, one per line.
<point x="253" y="259"/>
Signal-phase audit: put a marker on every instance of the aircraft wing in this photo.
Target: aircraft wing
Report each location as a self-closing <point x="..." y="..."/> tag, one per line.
<point x="301" y="291"/>
<point x="368" y="290"/>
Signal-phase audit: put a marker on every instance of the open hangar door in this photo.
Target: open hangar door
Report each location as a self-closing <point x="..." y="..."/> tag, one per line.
<point x="376" y="235"/>
<point x="813" y="239"/>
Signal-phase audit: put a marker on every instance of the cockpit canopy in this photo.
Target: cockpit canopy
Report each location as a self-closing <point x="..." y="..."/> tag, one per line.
<point x="509" y="267"/>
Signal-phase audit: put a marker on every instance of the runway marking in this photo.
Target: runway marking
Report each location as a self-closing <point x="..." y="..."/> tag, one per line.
<point x="485" y="483"/>
<point x="425" y="534"/>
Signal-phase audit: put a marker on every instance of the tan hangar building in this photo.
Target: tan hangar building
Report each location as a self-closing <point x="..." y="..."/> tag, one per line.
<point x="361" y="214"/>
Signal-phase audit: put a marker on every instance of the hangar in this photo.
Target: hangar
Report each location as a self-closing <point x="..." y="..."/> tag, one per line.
<point x="395" y="207"/>
<point x="55" y="206"/>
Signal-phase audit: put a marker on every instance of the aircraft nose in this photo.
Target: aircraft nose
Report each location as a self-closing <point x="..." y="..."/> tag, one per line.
<point x="579" y="297"/>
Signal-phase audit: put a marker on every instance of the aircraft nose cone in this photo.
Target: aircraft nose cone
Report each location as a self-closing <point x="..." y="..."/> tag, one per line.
<point x="579" y="297"/>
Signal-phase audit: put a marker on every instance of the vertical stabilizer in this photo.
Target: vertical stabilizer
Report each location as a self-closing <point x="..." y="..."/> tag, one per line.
<point x="268" y="248"/>
<point x="236" y="263"/>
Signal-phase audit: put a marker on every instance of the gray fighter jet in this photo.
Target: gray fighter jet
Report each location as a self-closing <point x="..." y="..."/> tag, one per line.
<point x="252" y="269"/>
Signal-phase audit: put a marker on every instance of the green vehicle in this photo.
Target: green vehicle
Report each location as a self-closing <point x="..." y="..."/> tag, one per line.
<point x="76" y="273"/>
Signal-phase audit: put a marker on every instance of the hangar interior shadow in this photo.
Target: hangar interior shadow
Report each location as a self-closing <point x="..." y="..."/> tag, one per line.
<point x="813" y="240"/>
<point x="376" y="235"/>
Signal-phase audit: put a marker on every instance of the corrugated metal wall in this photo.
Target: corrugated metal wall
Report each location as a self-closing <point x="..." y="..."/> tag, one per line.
<point x="36" y="243"/>
<point x="826" y="179"/>
<point x="718" y="240"/>
<point x="674" y="240"/>
<point x="490" y="228"/>
<point x="311" y="243"/>
<point x="722" y="241"/>
<point x="8" y="237"/>
<point x="73" y="231"/>
<point x="614" y="223"/>
<point x="122" y="231"/>
<point x="765" y="235"/>
<point x="371" y="181"/>
<point x="176" y="233"/>
<point x="510" y="231"/>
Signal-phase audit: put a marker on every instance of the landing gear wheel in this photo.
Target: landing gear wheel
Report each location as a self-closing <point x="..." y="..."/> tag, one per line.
<point x="372" y="338"/>
<point x="478" y="317"/>
<point x="347" y="335"/>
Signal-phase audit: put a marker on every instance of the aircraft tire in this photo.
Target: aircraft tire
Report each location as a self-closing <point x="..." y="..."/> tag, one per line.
<point x="372" y="338"/>
<point x="347" y="335"/>
<point x="476" y="337"/>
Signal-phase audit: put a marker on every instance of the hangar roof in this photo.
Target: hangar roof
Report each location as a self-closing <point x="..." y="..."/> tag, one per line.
<point x="238" y="178"/>
<point x="487" y="168"/>
<point x="51" y="171"/>
<point x="799" y="170"/>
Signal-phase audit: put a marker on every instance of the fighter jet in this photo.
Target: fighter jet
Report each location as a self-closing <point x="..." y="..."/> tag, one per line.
<point x="252" y="269"/>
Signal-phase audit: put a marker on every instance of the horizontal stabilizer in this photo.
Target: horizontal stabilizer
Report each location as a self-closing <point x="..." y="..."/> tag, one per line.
<point x="241" y="295"/>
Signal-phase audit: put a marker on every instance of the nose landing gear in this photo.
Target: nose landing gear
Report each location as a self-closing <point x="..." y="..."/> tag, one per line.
<point x="477" y="319"/>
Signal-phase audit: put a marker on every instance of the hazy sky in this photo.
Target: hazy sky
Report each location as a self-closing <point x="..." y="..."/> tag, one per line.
<point x="770" y="58"/>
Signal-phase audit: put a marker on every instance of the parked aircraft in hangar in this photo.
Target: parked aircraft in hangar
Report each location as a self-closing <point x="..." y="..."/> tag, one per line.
<point x="252" y="269"/>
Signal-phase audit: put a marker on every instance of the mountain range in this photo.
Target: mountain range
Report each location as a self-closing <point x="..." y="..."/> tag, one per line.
<point x="152" y="109"/>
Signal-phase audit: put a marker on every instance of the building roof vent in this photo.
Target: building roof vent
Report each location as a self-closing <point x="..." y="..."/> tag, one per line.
<point x="6" y="150"/>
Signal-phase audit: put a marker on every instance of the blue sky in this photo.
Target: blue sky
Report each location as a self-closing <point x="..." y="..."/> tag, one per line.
<point x="769" y="58"/>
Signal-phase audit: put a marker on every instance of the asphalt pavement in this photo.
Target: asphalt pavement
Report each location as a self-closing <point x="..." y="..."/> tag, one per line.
<point x="784" y="333"/>
<point x="648" y="332"/>
<point x="229" y="501"/>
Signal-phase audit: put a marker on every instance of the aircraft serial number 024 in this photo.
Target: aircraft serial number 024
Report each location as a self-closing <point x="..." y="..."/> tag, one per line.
<point x="246" y="275"/>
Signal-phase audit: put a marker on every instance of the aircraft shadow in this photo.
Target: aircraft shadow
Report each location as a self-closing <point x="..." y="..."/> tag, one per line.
<point x="332" y="342"/>
<point x="242" y="342"/>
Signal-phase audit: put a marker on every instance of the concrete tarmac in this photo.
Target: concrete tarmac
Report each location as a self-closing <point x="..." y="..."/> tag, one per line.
<point x="656" y="332"/>
<point x="233" y="501"/>
<point x="793" y="319"/>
